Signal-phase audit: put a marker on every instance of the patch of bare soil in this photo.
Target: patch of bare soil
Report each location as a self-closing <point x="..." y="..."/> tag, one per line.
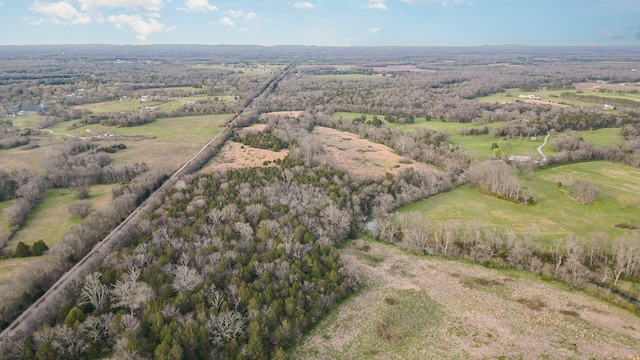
<point x="524" y="318"/>
<point x="235" y="155"/>
<point x="400" y="68"/>
<point x="363" y="158"/>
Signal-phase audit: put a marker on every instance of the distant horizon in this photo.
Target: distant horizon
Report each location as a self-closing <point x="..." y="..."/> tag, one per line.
<point x="327" y="23"/>
<point x="324" y="46"/>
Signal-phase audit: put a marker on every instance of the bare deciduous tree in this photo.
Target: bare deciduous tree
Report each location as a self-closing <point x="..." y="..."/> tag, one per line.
<point x="94" y="292"/>
<point x="130" y="293"/>
<point x="186" y="278"/>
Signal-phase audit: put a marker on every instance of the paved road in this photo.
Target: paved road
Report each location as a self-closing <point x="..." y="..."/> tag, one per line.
<point x="107" y="244"/>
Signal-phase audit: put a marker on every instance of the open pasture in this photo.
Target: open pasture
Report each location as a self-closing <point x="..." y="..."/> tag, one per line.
<point x="134" y="105"/>
<point x="419" y="307"/>
<point x="476" y="145"/>
<point x="554" y="214"/>
<point x="552" y="97"/>
<point x="601" y="137"/>
<point x="165" y="143"/>
<point x="51" y="219"/>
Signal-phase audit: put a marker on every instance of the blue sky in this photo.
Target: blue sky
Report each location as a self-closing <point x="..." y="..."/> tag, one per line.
<point x="321" y="22"/>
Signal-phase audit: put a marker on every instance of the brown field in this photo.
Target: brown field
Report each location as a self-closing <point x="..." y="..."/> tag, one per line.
<point x="418" y="307"/>
<point x="363" y="158"/>
<point x="235" y="155"/>
<point x="400" y="68"/>
<point x="354" y="155"/>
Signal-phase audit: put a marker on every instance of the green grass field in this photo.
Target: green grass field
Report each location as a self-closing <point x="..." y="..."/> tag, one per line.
<point x="476" y="145"/>
<point x="50" y="220"/>
<point x="601" y="137"/>
<point x="174" y="139"/>
<point x="134" y="105"/>
<point x="554" y="214"/>
<point x="553" y="97"/>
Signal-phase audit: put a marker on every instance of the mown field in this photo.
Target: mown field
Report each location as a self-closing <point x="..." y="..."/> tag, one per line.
<point x="554" y="214"/>
<point x="420" y="307"/>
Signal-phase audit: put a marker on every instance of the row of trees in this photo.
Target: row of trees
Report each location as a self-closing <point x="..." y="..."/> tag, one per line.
<point x="589" y="264"/>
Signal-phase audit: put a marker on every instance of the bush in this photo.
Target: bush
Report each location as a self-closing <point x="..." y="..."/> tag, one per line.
<point x="39" y="248"/>
<point x="22" y="250"/>
<point x="80" y="208"/>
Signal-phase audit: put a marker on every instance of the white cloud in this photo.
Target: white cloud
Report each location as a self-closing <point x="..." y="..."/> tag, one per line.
<point x="303" y="5"/>
<point x="227" y="21"/>
<point x="250" y="16"/>
<point x="234" y="13"/>
<point x="373" y="31"/>
<point x="1" y="4"/>
<point x="376" y="4"/>
<point x="198" y="6"/>
<point x="61" y="13"/>
<point x="141" y="27"/>
<point x="96" y="5"/>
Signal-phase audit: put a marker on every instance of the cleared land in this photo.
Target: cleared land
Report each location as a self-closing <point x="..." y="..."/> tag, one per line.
<point x="552" y="97"/>
<point x="165" y="144"/>
<point x="134" y="105"/>
<point x="400" y="68"/>
<point x="235" y="155"/>
<point x="50" y="220"/>
<point x="356" y="156"/>
<point x="416" y="307"/>
<point x="362" y="157"/>
<point x="554" y="214"/>
<point x="477" y="145"/>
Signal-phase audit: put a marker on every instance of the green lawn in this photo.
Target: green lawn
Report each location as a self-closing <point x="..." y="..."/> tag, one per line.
<point x="554" y="214"/>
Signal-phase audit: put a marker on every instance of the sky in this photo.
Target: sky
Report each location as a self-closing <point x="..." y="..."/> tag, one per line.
<point x="321" y="22"/>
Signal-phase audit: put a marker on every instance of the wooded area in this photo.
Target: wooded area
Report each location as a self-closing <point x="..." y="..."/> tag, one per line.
<point x="241" y="263"/>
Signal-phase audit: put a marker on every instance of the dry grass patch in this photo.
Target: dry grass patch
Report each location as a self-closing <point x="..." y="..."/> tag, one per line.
<point x="435" y="317"/>
<point x="363" y="158"/>
<point x="235" y="155"/>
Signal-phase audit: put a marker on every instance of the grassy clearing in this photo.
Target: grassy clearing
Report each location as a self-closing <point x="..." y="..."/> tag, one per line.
<point x="8" y="267"/>
<point x="420" y="307"/>
<point x="553" y="97"/>
<point x="175" y="139"/>
<point x="135" y="105"/>
<point x="601" y="137"/>
<point x="554" y="214"/>
<point x="50" y="220"/>
<point x="474" y="145"/>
